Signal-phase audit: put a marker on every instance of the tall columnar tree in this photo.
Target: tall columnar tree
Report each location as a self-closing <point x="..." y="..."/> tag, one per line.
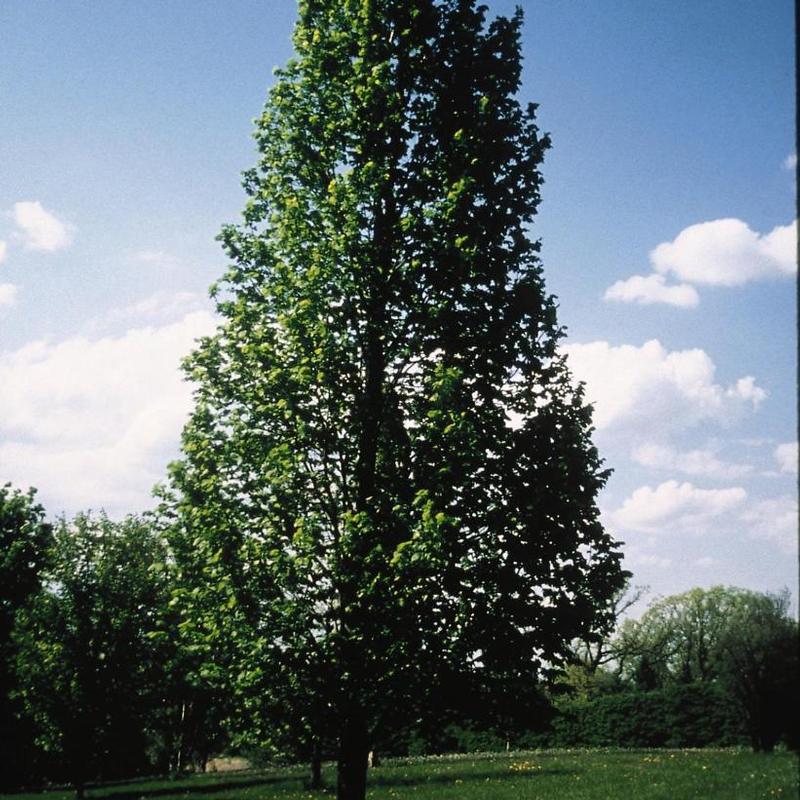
<point x="388" y="461"/>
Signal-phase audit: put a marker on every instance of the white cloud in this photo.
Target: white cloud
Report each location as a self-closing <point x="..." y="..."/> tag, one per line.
<point x="775" y="520"/>
<point x="790" y="162"/>
<point x="691" y="462"/>
<point x="3" y="250"/>
<point x="674" y="506"/>
<point x="727" y="252"/>
<point x="92" y="422"/>
<point x="39" y="229"/>
<point x="652" y="388"/>
<point x="156" y="309"/>
<point x="650" y="289"/>
<point x="786" y="455"/>
<point x="8" y="294"/>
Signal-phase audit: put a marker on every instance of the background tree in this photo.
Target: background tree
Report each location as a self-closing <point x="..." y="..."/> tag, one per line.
<point x="88" y="671"/>
<point x="388" y="459"/>
<point x="595" y="660"/>
<point x="759" y="665"/>
<point x="679" y="638"/>
<point x="197" y="642"/>
<point x="741" y="641"/>
<point x="25" y="538"/>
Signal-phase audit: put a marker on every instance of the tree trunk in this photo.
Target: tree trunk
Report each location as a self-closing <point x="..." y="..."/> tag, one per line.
<point x="351" y="781"/>
<point x="181" y="736"/>
<point x="316" y="766"/>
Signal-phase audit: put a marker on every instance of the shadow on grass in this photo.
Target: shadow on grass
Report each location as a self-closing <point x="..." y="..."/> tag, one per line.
<point x="188" y="788"/>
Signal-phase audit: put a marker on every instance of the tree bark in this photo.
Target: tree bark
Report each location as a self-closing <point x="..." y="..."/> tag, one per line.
<point x="351" y="781"/>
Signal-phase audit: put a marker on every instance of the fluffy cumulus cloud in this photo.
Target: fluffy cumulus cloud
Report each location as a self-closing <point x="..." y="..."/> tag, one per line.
<point x="786" y="455"/>
<point x="91" y="422"/>
<point x="673" y="506"/>
<point x="727" y="252"/>
<point x="38" y="228"/>
<point x="652" y="389"/>
<point x="700" y="462"/>
<point x="723" y="252"/>
<point x="8" y="294"/>
<point x="650" y="289"/>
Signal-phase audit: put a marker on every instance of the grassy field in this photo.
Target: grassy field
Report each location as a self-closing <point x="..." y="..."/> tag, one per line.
<point x="543" y="775"/>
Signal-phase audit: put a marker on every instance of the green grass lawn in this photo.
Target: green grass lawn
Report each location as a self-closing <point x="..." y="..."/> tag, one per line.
<point x="544" y="775"/>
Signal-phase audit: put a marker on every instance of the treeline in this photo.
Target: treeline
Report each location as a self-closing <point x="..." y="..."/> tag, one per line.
<point x="120" y="656"/>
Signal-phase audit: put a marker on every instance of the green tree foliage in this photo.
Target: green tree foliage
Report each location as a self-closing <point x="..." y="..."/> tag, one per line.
<point x="197" y="659"/>
<point x="736" y="639"/>
<point x="760" y="667"/>
<point x="388" y="468"/>
<point x="678" y="639"/>
<point x="89" y="672"/>
<point x="25" y="538"/>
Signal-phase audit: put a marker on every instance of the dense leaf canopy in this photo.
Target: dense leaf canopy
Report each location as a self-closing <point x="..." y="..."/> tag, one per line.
<point x="388" y="462"/>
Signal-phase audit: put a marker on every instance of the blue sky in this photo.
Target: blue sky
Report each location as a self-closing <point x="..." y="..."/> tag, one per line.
<point x="124" y="128"/>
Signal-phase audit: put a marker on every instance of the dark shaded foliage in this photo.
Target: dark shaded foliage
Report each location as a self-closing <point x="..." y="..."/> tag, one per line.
<point x="25" y="539"/>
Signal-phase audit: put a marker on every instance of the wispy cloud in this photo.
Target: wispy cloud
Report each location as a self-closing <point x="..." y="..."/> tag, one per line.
<point x="158" y="308"/>
<point x="786" y="455"/>
<point x="3" y="250"/>
<point x="698" y="463"/>
<point x="157" y="258"/>
<point x="775" y="520"/>
<point x="790" y="162"/>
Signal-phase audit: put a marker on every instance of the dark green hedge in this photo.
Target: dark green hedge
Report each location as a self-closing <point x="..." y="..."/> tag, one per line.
<point x="694" y="715"/>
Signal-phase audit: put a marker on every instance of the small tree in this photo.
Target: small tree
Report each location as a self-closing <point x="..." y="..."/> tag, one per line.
<point x="388" y="459"/>
<point x="85" y="661"/>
